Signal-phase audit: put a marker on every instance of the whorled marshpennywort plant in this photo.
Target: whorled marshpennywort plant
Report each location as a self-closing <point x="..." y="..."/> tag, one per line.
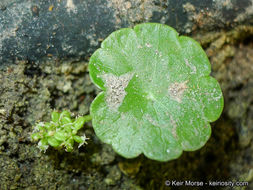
<point x="60" y="132"/>
<point x="157" y="98"/>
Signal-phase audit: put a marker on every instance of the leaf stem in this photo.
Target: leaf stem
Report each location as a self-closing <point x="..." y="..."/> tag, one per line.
<point x="87" y="118"/>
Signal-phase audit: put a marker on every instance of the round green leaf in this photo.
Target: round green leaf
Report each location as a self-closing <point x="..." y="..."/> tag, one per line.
<point x="157" y="98"/>
<point x="79" y="122"/>
<point x="61" y="135"/>
<point x="69" y="145"/>
<point x="55" y="116"/>
<point x="66" y="120"/>
<point x="35" y="136"/>
<point x="53" y="142"/>
<point x="78" y="139"/>
<point x="65" y="113"/>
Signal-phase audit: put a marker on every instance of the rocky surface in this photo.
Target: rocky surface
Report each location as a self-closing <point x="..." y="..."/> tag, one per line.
<point x="44" y="51"/>
<point x="31" y="30"/>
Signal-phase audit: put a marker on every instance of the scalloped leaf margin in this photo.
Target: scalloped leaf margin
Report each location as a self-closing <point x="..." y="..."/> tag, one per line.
<point x="157" y="96"/>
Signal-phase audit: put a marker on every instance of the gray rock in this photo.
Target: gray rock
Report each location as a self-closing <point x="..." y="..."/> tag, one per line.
<point x="32" y="30"/>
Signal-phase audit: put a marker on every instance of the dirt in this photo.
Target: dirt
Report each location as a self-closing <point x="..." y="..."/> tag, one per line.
<point x="29" y="92"/>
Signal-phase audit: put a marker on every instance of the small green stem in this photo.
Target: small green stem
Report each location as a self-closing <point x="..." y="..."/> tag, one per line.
<point x="87" y="118"/>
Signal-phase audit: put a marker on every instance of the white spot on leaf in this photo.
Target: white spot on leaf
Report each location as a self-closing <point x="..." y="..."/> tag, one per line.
<point x="148" y="45"/>
<point x="174" y="127"/>
<point x="115" y="92"/>
<point x="192" y="67"/>
<point x="176" y="90"/>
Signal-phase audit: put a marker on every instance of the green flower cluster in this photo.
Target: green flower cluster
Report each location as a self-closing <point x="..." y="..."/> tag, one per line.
<point x="61" y="131"/>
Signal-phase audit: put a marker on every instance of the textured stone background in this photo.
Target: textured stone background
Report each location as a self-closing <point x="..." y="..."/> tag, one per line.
<point x="32" y="29"/>
<point x="44" y="51"/>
